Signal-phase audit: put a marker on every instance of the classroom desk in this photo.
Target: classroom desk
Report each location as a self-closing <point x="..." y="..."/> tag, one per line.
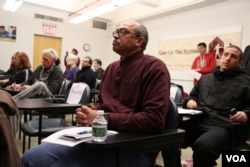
<point x="43" y="106"/>
<point x="10" y="91"/>
<point x="141" y="142"/>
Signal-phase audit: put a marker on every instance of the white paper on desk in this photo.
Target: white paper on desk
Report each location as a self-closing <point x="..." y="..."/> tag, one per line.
<point x="173" y="91"/>
<point x="188" y="111"/>
<point x="76" y="92"/>
<point x="57" y="138"/>
<point x="195" y="74"/>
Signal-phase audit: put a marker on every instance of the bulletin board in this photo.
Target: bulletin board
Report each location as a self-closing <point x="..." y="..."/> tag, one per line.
<point x="178" y="54"/>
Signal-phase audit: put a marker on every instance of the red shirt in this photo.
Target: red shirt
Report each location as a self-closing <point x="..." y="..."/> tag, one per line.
<point x="207" y="63"/>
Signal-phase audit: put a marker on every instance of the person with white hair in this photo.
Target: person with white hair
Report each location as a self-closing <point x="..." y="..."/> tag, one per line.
<point x="45" y="81"/>
<point x="72" y="68"/>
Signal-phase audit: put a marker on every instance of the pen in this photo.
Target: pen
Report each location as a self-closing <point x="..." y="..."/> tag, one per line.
<point x="84" y="132"/>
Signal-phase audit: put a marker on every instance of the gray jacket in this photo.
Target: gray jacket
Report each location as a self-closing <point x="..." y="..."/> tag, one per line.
<point x="54" y="80"/>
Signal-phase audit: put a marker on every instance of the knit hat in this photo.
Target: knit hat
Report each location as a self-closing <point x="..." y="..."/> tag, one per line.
<point x="75" y="50"/>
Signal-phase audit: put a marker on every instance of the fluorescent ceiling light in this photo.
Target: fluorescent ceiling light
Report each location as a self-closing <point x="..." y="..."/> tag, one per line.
<point x="12" y="5"/>
<point x="107" y="7"/>
<point x="80" y="19"/>
<point x="122" y="2"/>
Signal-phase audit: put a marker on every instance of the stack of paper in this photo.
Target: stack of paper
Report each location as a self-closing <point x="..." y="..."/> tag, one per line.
<point x="72" y="136"/>
<point x="188" y="111"/>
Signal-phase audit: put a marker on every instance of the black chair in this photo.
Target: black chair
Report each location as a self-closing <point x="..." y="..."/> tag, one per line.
<point x="176" y="93"/>
<point x="63" y="88"/>
<point x="240" y="141"/>
<point x="172" y="120"/>
<point x="94" y="92"/>
<point x="61" y="94"/>
<point x="51" y="125"/>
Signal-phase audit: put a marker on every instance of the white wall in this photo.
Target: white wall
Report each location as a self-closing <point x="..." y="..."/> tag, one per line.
<point x="73" y="36"/>
<point x="223" y="15"/>
<point x="219" y="16"/>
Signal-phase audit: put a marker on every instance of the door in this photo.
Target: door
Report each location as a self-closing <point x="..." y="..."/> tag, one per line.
<point x="43" y="42"/>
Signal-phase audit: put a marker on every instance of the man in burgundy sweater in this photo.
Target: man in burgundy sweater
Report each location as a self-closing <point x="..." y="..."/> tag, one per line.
<point x="134" y="91"/>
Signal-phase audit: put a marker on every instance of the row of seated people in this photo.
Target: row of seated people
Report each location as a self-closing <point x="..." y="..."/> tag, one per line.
<point x="72" y="62"/>
<point x="142" y="106"/>
<point x="20" y="70"/>
<point x="47" y="79"/>
<point x="135" y="92"/>
<point x="44" y="82"/>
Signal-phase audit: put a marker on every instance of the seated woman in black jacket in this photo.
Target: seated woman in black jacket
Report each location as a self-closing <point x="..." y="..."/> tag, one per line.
<point x="22" y="67"/>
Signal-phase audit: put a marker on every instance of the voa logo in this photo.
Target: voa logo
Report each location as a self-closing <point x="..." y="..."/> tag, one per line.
<point x="236" y="158"/>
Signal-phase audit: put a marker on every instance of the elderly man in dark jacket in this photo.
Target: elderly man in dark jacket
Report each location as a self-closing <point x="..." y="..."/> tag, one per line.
<point x="44" y="82"/>
<point x="224" y="97"/>
<point x="46" y="79"/>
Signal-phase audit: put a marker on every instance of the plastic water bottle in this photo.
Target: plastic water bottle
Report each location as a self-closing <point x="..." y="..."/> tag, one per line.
<point x="99" y="127"/>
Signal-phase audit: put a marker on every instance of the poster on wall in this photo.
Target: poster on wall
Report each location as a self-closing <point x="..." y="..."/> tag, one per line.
<point x="179" y="54"/>
<point x="8" y="33"/>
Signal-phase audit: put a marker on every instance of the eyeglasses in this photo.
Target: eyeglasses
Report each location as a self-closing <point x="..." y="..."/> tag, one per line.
<point x="122" y="32"/>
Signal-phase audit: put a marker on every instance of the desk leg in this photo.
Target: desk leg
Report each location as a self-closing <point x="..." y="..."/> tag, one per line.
<point x="171" y="157"/>
<point x="20" y="123"/>
<point x="40" y="128"/>
<point x="24" y="141"/>
<point x="25" y="112"/>
<point x="118" y="158"/>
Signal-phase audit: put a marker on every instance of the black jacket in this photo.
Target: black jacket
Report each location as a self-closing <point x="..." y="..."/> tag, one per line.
<point x="222" y="91"/>
<point x="87" y="75"/>
<point x="54" y="80"/>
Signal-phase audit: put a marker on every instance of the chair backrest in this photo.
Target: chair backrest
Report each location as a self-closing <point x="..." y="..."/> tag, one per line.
<point x="63" y="88"/>
<point x="172" y="118"/>
<point x="78" y="93"/>
<point x="26" y="75"/>
<point x="176" y="92"/>
<point x="97" y="84"/>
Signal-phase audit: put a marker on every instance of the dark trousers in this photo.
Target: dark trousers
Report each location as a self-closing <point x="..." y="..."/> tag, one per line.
<point x="207" y="141"/>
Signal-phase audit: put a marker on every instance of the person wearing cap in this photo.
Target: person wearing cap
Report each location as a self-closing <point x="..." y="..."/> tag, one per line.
<point x="73" y="52"/>
<point x="45" y="81"/>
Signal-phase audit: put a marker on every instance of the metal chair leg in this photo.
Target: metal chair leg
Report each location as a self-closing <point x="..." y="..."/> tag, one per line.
<point x="24" y="136"/>
<point x="29" y="142"/>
